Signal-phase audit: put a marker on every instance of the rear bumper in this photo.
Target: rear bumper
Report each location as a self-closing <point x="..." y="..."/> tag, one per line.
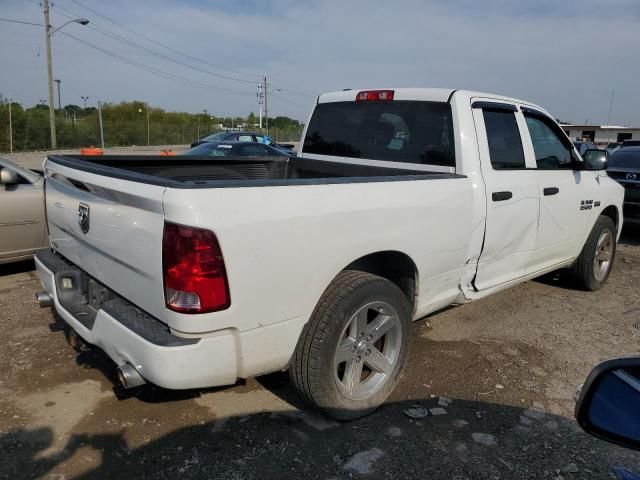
<point x="129" y="335"/>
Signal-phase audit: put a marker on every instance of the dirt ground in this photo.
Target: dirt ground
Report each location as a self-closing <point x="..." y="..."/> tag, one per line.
<point x="509" y="364"/>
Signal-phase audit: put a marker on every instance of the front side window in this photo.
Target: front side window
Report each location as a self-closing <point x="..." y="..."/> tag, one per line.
<point x="394" y="131"/>
<point x="503" y="136"/>
<point x="245" y="138"/>
<point x="551" y="152"/>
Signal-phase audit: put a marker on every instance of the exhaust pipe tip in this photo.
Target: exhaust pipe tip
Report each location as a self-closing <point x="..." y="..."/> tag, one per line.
<point x="44" y="299"/>
<point x="129" y="377"/>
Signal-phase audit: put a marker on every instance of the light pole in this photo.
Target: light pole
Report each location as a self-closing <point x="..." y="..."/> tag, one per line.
<point x="148" y="133"/>
<point x="48" y="32"/>
<point x="84" y="99"/>
<point x="148" y="126"/>
<point x="59" y="99"/>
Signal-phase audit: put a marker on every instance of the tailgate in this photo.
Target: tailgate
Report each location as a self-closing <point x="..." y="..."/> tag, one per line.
<point x="110" y="228"/>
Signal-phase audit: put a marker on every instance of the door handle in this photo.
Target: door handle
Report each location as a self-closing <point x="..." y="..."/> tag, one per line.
<point x="501" y="196"/>
<point x="550" y="190"/>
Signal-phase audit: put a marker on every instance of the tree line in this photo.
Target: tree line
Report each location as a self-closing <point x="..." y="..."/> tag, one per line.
<point x="124" y="124"/>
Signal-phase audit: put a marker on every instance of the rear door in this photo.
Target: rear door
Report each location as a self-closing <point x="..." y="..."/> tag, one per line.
<point x="511" y="188"/>
<point x="120" y="244"/>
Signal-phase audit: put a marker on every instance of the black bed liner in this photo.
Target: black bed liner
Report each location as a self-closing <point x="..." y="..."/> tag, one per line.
<point x="221" y="172"/>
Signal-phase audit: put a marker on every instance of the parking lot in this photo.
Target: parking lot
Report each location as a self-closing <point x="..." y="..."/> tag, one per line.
<point x="503" y="370"/>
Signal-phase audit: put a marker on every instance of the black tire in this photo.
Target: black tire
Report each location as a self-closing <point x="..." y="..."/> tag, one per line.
<point x="312" y="369"/>
<point x="583" y="269"/>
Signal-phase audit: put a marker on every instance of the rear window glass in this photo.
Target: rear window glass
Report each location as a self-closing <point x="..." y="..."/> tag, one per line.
<point x="396" y="131"/>
<point x="209" y="149"/>
<point x="625" y="159"/>
<point x="503" y="136"/>
<point x="216" y="137"/>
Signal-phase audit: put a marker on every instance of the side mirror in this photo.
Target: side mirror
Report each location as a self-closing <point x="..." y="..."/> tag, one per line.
<point x="8" y="177"/>
<point x="608" y="406"/>
<point x="595" y="159"/>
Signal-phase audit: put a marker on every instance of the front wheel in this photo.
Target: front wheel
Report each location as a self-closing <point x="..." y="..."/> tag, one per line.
<point x="593" y="266"/>
<point x="352" y="351"/>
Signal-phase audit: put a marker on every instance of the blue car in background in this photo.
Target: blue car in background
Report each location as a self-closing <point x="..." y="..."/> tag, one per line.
<point x="234" y="136"/>
<point x="235" y="149"/>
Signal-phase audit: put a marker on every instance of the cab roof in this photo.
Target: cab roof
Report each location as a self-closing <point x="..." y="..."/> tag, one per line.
<point x="421" y="94"/>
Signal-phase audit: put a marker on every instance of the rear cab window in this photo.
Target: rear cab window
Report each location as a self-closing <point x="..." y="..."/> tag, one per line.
<point x="396" y="131"/>
<point x="503" y="137"/>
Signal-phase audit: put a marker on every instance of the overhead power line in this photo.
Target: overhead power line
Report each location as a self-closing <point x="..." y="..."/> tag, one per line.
<point x="287" y="86"/>
<point x="305" y="107"/>
<point x="10" y="20"/>
<point x="144" y="49"/>
<point x="147" y="50"/>
<point x="167" y="75"/>
<point x="149" y="39"/>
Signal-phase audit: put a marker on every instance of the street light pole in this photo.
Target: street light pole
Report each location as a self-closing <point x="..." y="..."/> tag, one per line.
<point x="52" y="112"/>
<point x="100" y="123"/>
<point x="84" y="99"/>
<point x="48" y="32"/>
<point x="59" y="98"/>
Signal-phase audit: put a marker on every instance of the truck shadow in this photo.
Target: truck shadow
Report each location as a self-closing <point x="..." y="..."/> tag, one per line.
<point x="472" y="440"/>
<point x="17" y="267"/>
<point x="630" y="235"/>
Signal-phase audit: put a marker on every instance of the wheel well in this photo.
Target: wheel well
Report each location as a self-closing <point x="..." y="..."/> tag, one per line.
<point x="396" y="267"/>
<point x="612" y="212"/>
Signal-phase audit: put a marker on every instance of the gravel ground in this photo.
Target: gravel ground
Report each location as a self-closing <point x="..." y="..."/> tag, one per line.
<point x="505" y="369"/>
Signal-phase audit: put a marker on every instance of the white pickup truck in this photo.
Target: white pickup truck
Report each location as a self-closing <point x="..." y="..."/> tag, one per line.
<point x="194" y="272"/>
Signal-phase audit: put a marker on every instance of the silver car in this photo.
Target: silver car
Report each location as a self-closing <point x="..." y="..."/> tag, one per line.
<point x="22" y="226"/>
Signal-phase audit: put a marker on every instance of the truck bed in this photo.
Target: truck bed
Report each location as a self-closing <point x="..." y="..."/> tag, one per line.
<point x="208" y="172"/>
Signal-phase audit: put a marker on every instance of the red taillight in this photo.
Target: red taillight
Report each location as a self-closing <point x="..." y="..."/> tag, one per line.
<point x="374" y="95"/>
<point x="195" y="280"/>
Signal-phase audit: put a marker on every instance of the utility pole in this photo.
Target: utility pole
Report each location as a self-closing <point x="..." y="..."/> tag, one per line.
<point x="613" y="94"/>
<point x="100" y="122"/>
<point x="59" y="98"/>
<point x="10" y="128"/>
<point x="266" y="114"/>
<point x="52" y="112"/>
<point x="84" y="99"/>
<point x="260" y="95"/>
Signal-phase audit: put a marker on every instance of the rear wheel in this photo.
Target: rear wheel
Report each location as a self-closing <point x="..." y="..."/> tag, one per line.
<point x="351" y="353"/>
<point x="593" y="266"/>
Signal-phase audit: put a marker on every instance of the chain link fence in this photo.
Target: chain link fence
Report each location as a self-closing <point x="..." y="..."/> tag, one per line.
<point x="31" y="132"/>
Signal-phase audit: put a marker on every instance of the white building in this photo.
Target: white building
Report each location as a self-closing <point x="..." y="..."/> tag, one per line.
<point x="601" y="134"/>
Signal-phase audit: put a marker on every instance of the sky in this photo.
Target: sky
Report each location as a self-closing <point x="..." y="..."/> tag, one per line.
<point x="565" y="55"/>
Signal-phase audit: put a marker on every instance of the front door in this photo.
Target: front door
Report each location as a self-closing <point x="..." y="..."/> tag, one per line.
<point x="564" y="209"/>
<point x="511" y="188"/>
<point x="22" y="227"/>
